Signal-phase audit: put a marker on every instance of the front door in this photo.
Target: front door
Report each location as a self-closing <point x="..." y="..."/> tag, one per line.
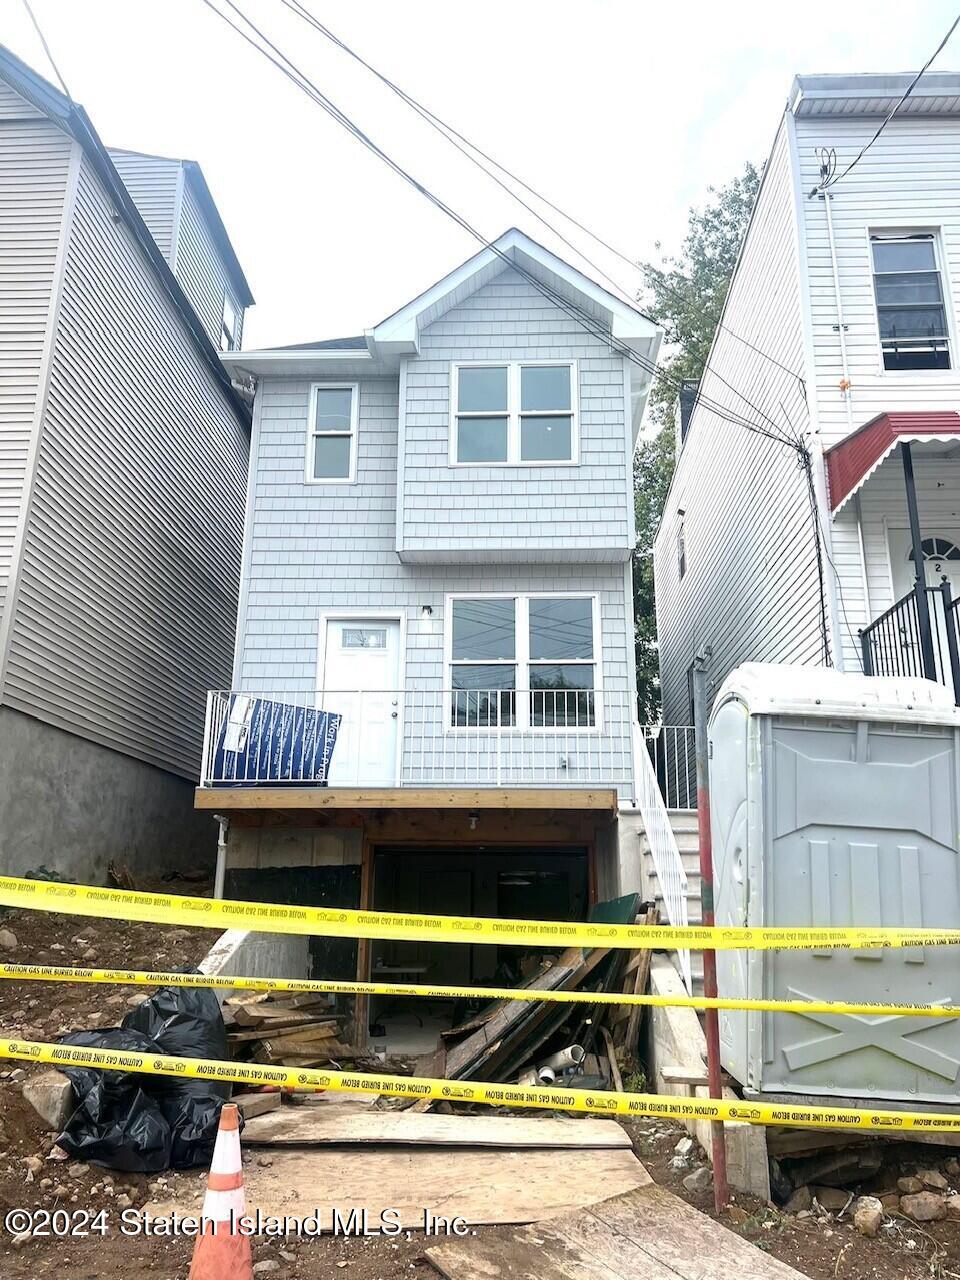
<point x="941" y="559"/>
<point x="361" y="678"/>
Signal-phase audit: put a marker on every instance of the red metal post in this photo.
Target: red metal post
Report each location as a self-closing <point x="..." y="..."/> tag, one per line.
<point x="721" y="1192"/>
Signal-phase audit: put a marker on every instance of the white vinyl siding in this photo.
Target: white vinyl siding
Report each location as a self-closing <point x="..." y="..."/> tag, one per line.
<point x="909" y="179"/>
<point x="130" y="569"/>
<point x="153" y="183"/>
<point x="201" y="271"/>
<point x="34" y="166"/>
<point x="750" y="589"/>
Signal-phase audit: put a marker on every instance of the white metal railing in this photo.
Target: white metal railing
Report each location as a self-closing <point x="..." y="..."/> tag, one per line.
<point x="667" y="862"/>
<point x="673" y="753"/>
<point x="421" y="737"/>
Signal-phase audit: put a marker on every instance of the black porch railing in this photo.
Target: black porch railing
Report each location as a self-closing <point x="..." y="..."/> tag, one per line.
<point x="918" y="636"/>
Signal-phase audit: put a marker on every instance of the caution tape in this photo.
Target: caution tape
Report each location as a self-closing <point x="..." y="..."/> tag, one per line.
<point x="306" y="986"/>
<point x="498" y="1095"/>
<point x="221" y="913"/>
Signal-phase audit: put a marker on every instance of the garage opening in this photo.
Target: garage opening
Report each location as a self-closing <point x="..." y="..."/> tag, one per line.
<point x="536" y="883"/>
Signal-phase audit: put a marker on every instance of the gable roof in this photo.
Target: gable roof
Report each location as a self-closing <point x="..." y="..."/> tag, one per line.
<point x="380" y="349"/>
<point x="74" y="120"/>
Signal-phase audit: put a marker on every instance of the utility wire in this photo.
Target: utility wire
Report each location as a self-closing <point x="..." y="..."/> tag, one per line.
<point x="46" y="49"/>
<point x="588" y="321"/>
<point x="834" y="178"/>
<point x="454" y="137"/>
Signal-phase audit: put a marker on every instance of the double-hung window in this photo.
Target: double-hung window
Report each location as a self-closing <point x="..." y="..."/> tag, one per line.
<point x="524" y="661"/>
<point x="523" y="413"/>
<point x="911" y="310"/>
<point x="332" y="439"/>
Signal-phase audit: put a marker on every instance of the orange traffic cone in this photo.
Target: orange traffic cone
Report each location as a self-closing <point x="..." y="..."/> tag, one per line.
<point x="221" y="1252"/>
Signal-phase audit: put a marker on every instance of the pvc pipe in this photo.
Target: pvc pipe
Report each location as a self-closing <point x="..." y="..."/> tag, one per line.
<point x="572" y="1056"/>
<point x="546" y="1075"/>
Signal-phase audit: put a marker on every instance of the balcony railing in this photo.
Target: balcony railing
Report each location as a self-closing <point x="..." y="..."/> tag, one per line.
<point x="565" y="738"/>
<point x="918" y="636"/>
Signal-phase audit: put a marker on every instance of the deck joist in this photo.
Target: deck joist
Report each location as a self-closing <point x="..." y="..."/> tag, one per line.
<point x="227" y="799"/>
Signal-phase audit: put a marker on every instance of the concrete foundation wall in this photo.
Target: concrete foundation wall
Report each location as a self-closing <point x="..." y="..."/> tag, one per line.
<point x="629" y="854"/>
<point x="242" y="953"/>
<point x="74" y="806"/>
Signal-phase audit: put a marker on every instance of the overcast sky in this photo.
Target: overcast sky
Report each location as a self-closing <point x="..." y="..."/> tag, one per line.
<point x="621" y="111"/>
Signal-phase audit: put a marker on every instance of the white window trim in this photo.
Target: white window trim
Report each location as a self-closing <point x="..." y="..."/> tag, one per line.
<point x="513" y="414"/>
<point x="312" y="433"/>
<point x="928" y="375"/>
<point x="522" y="660"/>
<point x="228" y="302"/>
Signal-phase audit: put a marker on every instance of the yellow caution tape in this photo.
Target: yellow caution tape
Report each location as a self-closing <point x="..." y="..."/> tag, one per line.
<point x="139" y="978"/>
<point x="220" y="913"/>
<point x="497" y="1095"/>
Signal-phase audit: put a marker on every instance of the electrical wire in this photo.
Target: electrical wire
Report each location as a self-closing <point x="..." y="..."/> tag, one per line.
<point x="454" y="137"/>
<point x="46" y="49"/>
<point x="288" y="68"/>
<point x="834" y="178"/>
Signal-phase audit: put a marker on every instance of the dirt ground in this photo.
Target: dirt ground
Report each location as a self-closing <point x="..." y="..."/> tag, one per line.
<point x="823" y="1246"/>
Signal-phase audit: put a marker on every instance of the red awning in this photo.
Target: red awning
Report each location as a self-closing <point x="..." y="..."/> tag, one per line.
<point x="851" y="461"/>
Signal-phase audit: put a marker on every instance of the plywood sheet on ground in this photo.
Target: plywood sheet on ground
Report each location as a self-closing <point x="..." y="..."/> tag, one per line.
<point x="648" y="1234"/>
<point x="302" y="1126"/>
<point x="479" y="1186"/>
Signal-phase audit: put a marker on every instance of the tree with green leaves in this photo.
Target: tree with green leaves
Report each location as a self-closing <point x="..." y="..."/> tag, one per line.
<point x="686" y="296"/>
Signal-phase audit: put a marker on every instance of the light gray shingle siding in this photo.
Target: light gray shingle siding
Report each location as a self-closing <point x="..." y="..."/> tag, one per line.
<point x="316" y="548"/>
<point x="34" y="166"/>
<point x="520" y="513"/>
<point x="131" y="566"/>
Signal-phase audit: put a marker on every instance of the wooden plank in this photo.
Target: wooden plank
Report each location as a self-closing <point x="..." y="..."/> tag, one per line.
<point x="480" y="1186"/>
<point x="360" y="1035"/>
<point x="256" y="1104"/>
<point x="641" y="979"/>
<point x="681" y="1237"/>
<point x="299" y="1126"/>
<point x="647" y="1234"/>
<point x="612" y="1058"/>
<point x="553" y="798"/>
<point x="518" y="1257"/>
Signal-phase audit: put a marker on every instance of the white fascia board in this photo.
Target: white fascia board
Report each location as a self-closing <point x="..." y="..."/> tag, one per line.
<point x="400" y="332"/>
<point x="293" y="363"/>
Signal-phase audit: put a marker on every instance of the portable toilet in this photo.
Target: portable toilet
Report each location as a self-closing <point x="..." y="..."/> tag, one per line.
<point x="834" y="801"/>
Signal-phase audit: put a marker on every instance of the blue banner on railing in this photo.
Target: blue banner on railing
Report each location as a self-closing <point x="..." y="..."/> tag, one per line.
<point x="265" y="742"/>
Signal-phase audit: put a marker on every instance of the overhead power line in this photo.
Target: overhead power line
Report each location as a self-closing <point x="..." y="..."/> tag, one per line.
<point x="833" y="178"/>
<point x="455" y="138"/>
<point x="46" y="49"/>
<point x="589" y="322"/>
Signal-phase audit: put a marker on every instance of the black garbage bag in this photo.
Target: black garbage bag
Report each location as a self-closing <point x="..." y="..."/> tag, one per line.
<point x="144" y="1123"/>
<point x="186" y="1023"/>
<point x="117" y="1123"/>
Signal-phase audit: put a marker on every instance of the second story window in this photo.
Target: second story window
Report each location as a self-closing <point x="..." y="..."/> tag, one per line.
<point x="522" y="413"/>
<point x="681" y="547"/>
<point x="332" y="441"/>
<point x="910" y="301"/>
<point x="228" y="326"/>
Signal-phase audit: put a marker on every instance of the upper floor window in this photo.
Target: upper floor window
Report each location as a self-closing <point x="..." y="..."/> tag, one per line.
<point x="681" y="546"/>
<point x="228" y="326"/>
<point x="910" y="301"/>
<point x="545" y="647"/>
<point x="524" y="413"/>
<point x="332" y="442"/>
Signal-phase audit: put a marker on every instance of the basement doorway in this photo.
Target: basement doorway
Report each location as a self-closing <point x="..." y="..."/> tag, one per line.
<point x="533" y="883"/>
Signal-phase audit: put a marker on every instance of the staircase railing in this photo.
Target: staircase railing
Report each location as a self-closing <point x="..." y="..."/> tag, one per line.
<point x="664" y="852"/>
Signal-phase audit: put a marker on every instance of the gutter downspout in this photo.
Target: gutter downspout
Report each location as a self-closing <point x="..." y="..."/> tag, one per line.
<point x="841" y="327"/>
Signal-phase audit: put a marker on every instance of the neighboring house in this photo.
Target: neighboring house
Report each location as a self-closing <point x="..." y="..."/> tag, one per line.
<point x="841" y="326"/>
<point x="437" y="549"/>
<point x="123" y="452"/>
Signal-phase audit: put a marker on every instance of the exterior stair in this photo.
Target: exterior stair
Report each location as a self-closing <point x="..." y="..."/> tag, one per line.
<point x="684" y="824"/>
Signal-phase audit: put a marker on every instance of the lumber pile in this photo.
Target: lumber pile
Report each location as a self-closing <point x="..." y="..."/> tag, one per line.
<point x="291" y="1030"/>
<point x="514" y="1040"/>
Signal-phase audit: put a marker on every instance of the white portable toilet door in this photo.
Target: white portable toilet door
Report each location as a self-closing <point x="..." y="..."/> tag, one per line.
<point x="361" y="678"/>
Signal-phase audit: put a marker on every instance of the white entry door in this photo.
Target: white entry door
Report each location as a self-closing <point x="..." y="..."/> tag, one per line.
<point x="361" y="677"/>
<point x="941" y="559"/>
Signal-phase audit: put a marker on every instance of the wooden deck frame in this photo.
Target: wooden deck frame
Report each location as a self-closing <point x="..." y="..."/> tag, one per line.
<point x="229" y="799"/>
